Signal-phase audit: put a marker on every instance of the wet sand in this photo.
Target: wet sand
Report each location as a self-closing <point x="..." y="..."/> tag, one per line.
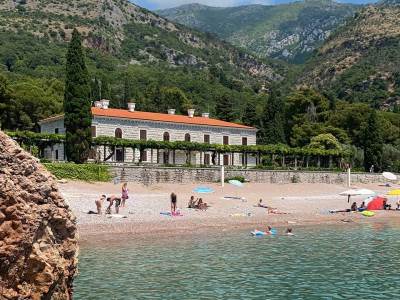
<point x="302" y="204"/>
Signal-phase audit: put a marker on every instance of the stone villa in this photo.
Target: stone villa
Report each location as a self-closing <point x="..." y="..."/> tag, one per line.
<point x="137" y="125"/>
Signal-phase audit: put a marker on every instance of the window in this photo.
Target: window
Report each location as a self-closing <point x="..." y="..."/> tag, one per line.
<point x="187" y="137"/>
<point x="93" y="130"/>
<point x="56" y="154"/>
<point x="118" y="133"/>
<point x="244" y="141"/>
<point x="226" y="160"/>
<point x="143" y="155"/>
<point x="226" y="140"/>
<point x="56" y="130"/>
<point x="206" y="139"/>
<point x="143" y="135"/>
<point x="166" y="137"/>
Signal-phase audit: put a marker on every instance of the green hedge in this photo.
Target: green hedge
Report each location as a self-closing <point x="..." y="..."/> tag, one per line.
<point x="84" y="172"/>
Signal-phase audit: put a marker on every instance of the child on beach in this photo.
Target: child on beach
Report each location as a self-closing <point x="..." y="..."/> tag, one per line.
<point x="192" y="202"/>
<point x="173" y="203"/>
<point x="99" y="204"/>
<point x="124" y="195"/>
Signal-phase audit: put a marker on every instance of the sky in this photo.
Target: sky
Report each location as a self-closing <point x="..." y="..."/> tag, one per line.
<point x="160" y="4"/>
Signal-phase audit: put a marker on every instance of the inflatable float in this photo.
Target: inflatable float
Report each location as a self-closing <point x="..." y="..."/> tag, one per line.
<point x="262" y="233"/>
<point x="368" y="213"/>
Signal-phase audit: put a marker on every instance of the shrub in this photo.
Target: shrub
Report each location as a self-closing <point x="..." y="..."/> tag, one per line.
<point x="238" y="178"/>
<point x="84" y="172"/>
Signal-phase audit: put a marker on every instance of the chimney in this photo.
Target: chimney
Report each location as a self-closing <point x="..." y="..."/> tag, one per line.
<point x="191" y="113"/>
<point x="97" y="104"/>
<point x="205" y="115"/>
<point x="104" y="103"/>
<point x="171" y="111"/>
<point x="131" y="106"/>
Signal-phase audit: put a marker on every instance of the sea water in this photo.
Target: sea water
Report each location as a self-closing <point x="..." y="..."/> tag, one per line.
<point x="343" y="262"/>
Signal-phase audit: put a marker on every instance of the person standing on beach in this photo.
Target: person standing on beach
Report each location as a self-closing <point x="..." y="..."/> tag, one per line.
<point x="124" y="195"/>
<point x="99" y="203"/>
<point x="173" y="203"/>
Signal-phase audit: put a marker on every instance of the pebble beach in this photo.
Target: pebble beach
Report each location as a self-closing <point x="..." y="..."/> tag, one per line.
<point x="297" y="204"/>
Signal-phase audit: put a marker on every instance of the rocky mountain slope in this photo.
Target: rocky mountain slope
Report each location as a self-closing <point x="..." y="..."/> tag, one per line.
<point x="131" y="33"/>
<point x="38" y="234"/>
<point x="361" y="61"/>
<point x="288" y="31"/>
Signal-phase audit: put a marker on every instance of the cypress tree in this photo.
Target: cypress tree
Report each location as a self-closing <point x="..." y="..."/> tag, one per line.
<point x="372" y="142"/>
<point x="77" y="104"/>
<point x="224" y="108"/>
<point x="272" y="121"/>
<point x="250" y="117"/>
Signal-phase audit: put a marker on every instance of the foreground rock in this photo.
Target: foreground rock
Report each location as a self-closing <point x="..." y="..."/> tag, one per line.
<point x="38" y="235"/>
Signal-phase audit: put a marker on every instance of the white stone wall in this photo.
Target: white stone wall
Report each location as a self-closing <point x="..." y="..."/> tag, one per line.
<point x="155" y="131"/>
<point x="55" y="152"/>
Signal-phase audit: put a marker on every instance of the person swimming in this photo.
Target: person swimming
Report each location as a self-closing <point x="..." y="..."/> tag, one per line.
<point x="289" y="231"/>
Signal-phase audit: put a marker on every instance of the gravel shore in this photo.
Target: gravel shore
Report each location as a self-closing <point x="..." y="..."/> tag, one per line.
<point x="300" y="204"/>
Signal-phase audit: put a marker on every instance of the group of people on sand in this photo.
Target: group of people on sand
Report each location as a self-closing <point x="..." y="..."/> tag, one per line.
<point x="112" y="200"/>
<point x="197" y="204"/>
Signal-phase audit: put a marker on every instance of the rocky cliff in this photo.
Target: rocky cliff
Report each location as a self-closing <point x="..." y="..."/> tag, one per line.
<point x="38" y="234"/>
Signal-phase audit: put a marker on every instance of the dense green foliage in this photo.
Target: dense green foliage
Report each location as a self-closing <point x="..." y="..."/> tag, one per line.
<point x="372" y="143"/>
<point x="272" y="120"/>
<point x="84" y="172"/>
<point x="77" y="104"/>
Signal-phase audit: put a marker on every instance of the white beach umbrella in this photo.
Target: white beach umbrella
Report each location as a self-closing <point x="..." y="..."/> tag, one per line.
<point x="389" y="176"/>
<point x="358" y="192"/>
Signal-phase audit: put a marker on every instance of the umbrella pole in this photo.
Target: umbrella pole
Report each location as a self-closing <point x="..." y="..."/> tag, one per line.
<point x="348" y="198"/>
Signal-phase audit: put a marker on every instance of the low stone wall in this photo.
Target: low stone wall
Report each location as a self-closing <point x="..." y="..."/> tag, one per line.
<point x="153" y="175"/>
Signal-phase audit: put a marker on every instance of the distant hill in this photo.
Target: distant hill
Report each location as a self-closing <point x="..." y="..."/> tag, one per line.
<point x="129" y="32"/>
<point x="288" y="31"/>
<point x="131" y="53"/>
<point x="361" y="60"/>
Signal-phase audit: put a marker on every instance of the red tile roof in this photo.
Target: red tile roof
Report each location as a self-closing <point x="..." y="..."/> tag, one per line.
<point x="158" y="117"/>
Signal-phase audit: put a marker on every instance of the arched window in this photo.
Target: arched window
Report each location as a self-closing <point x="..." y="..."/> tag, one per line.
<point x="187" y="137"/>
<point x="118" y="133"/>
<point x="166" y="137"/>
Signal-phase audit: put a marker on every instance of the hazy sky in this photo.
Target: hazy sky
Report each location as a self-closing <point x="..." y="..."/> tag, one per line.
<point x="157" y="4"/>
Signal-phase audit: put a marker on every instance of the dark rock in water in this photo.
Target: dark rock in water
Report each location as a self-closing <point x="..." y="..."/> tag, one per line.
<point x="38" y="234"/>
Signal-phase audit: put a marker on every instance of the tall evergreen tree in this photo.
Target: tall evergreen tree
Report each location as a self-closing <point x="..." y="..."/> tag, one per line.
<point x="77" y="104"/>
<point x="372" y="141"/>
<point x="224" y="108"/>
<point x="250" y="117"/>
<point x="272" y="121"/>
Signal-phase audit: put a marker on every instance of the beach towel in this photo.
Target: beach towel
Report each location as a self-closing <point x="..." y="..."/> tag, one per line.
<point x="117" y="216"/>
<point x="169" y="214"/>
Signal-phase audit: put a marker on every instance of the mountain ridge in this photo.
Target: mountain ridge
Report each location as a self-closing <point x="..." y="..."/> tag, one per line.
<point x="285" y="31"/>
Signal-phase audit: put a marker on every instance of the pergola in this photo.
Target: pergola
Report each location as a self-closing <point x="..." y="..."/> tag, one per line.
<point x="279" y="156"/>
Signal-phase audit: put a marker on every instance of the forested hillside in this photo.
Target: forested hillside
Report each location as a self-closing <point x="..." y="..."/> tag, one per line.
<point x="131" y="54"/>
<point x="361" y="61"/>
<point x="287" y="31"/>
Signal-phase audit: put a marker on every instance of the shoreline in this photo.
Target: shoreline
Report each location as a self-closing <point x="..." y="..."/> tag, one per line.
<point x="299" y="205"/>
<point x="90" y="234"/>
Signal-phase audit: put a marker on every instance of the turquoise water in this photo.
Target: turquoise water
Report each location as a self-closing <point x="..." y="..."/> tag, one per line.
<point x="318" y="263"/>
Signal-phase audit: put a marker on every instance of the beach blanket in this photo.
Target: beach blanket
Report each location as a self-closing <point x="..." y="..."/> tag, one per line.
<point x="241" y="215"/>
<point x="117" y="216"/>
<point x="169" y="214"/>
